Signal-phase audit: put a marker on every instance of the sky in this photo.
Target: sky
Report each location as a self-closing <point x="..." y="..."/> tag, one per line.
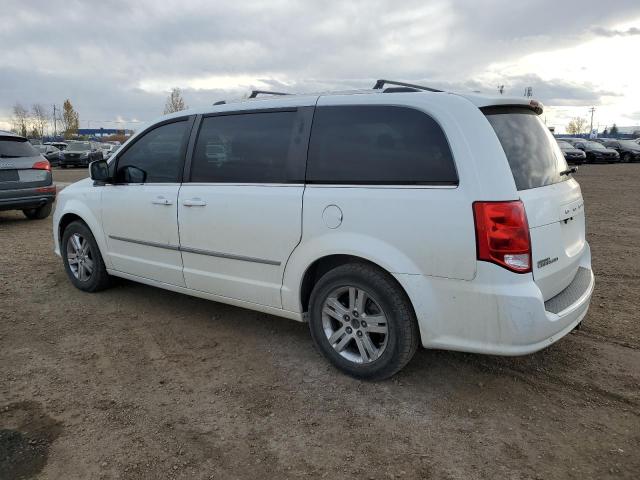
<point x="118" y="60"/>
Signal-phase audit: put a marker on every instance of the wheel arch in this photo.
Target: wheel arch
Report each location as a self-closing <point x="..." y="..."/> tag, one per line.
<point x="65" y="221"/>
<point x="76" y="211"/>
<point x="324" y="264"/>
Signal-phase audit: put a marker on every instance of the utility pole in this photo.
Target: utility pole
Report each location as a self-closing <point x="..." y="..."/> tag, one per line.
<point x="592" y="109"/>
<point x="55" y="130"/>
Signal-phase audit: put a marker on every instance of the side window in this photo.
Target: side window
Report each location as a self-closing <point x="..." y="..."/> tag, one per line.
<point x="247" y="148"/>
<point x="378" y="145"/>
<point x="156" y="157"/>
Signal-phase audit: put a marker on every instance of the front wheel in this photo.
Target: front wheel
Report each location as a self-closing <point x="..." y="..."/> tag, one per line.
<point x="38" y="213"/>
<point x="362" y="321"/>
<point x="82" y="259"/>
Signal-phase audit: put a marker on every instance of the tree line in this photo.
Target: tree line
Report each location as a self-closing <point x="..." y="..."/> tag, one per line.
<point x="37" y="121"/>
<point x="578" y="125"/>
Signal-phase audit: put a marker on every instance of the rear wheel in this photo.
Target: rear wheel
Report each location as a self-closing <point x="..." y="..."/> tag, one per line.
<point x="362" y="321"/>
<point x="82" y="259"/>
<point x="38" y="213"/>
<point x="626" y="158"/>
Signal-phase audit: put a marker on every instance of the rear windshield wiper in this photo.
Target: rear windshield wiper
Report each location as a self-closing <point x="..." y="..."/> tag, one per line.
<point x="569" y="171"/>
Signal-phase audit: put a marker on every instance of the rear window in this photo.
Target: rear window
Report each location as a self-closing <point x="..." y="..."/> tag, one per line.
<point x="16" y="147"/>
<point x="378" y="145"/>
<point x="533" y="154"/>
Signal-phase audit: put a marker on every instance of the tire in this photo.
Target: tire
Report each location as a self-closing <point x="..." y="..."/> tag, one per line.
<point x="626" y="158"/>
<point x="384" y="299"/>
<point x="38" y="213"/>
<point x="63" y="166"/>
<point x="98" y="278"/>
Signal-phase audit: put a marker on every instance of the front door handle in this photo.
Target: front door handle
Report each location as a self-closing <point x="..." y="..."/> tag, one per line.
<point x="194" y="202"/>
<point x="160" y="200"/>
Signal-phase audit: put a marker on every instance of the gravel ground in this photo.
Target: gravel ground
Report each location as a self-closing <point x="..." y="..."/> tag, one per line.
<point x="141" y="383"/>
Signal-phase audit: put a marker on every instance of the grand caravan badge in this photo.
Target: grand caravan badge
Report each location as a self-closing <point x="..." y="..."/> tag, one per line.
<point x="546" y="261"/>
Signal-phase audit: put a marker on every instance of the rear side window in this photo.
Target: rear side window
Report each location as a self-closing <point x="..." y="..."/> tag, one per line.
<point x="378" y="145"/>
<point x="532" y="152"/>
<point x="246" y="148"/>
<point x="11" y="147"/>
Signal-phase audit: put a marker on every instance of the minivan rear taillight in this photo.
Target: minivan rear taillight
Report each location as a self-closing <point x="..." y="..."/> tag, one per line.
<point x="42" y="165"/>
<point x="502" y="234"/>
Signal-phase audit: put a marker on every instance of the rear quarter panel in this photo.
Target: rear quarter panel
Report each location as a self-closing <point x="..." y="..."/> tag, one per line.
<point x="417" y="230"/>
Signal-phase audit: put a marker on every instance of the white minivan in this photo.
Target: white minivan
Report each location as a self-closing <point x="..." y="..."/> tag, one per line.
<point x="384" y="218"/>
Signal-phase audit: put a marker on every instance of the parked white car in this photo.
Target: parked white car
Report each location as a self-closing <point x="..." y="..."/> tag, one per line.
<point x="385" y="219"/>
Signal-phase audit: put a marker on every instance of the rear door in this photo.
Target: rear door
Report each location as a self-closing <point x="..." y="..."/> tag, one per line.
<point x="240" y="214"/>
<point x="553" y="200"/>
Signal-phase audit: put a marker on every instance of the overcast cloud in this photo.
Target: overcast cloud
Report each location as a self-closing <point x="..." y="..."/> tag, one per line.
<point x="117" y="60"/>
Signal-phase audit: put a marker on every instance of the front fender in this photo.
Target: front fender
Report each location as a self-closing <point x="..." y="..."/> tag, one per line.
<point x="86" y="205"/>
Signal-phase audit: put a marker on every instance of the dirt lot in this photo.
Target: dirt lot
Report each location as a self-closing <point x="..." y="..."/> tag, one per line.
<point x="137" y="382"/>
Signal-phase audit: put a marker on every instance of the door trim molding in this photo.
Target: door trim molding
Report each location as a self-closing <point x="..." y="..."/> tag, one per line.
<point x="197" y="251"/>
<point x="166" y="246"/>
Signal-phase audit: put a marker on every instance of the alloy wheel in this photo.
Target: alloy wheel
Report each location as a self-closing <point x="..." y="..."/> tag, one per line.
<point x="355" y="325"/>
<point x="80" y="257"/>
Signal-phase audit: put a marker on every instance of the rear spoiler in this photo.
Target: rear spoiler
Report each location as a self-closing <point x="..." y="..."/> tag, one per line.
<point x="533" y="105"/>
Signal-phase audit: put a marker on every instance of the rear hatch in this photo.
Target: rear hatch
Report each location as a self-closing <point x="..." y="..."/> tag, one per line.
<point x="17" y="161"/>
<point x="552" y="200"/>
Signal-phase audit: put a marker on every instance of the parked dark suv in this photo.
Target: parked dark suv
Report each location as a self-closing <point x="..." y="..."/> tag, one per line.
<point x="571" y="154"/>
<point x="80" y="154"/>
<point x="596" y="152"/>
<point x="628" y="150"/>
<point x="25" y="178"/>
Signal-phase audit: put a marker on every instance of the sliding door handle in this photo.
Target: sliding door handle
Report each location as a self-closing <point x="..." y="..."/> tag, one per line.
<point x="160" y="200"/>
<point x="194" y="202"/>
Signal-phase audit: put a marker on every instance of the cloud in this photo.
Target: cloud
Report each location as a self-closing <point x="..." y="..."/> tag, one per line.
<point x="605" y="32"/>
<point x="555" y="91"/>
<point x="118" y="58"/>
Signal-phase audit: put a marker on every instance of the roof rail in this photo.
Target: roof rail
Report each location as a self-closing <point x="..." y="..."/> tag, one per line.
<point x="255" y="93"/>
<point x="381" y="83"/>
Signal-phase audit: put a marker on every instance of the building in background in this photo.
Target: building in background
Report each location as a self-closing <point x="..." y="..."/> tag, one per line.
<point x="104" y="132"/>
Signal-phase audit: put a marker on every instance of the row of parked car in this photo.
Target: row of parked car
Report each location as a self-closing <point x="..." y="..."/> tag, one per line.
<point x="74" y="153"/>
<point x="599" y="150"/>
<point x="26" y="182"/>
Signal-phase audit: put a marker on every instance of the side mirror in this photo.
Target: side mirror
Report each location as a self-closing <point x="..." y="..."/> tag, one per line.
<point x="99" y="171"/>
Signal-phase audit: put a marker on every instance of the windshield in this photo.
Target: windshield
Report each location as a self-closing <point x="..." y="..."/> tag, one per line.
<point x="596" y="146"/>
<point x="16" y="147"/>
<point x="79" y="147"/>
<point x="564" y="145"/>
<point x="532" y="152"/>
<point x="628" y="143"/>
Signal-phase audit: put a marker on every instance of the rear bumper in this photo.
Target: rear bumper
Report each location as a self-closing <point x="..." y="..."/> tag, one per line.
<point x="27" y="198"/>
<point x="497" y="313"/>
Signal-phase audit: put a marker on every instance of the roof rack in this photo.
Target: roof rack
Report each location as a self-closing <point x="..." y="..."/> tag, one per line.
<point x="407" y="86"/>
<point x="255" y="93"/>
